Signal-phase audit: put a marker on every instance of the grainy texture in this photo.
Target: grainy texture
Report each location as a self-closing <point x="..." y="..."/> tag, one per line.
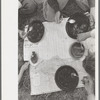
<point x="24" y="86"/>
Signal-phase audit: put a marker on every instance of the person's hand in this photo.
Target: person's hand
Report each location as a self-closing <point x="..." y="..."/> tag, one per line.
<point x="57" y="17"/>
<point x="83" y="36"/>
<point x="25" y="66"/>
<point x="89" y="84"/>
<point x="22" y="34"/>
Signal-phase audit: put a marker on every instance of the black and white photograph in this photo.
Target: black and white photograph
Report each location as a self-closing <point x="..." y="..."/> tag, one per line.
<point x="56" y="50"/>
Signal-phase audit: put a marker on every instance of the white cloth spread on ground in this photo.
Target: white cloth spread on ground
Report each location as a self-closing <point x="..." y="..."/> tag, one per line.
<point x="42" y="76"/>
<point x="55" y="43"/>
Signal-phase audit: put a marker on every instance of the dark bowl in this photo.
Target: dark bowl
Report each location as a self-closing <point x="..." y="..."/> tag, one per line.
<point x="82" y="23"/>
<point x="66" y="78"/>
<point x="37" y="32"/>
<point x="77" y="50"/>
<point x="34" y="58"/>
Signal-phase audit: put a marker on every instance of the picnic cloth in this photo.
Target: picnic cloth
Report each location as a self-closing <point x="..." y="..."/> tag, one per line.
<point x="53" y="51"/>
<point x="55" y="42"/>
<point x="42" y="76"/>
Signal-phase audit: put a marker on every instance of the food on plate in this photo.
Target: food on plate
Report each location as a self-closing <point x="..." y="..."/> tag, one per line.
<point x="77" y="50"/>
<point x="36" y="31"/>
<point x="66" y="78"/>
<point x="77" y="23"/>
<point x="78" y="29"/>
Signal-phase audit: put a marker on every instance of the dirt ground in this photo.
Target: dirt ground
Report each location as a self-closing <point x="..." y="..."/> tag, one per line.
<point x="24" y="86"/>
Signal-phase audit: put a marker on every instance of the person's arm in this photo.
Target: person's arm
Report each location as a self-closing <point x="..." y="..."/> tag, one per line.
<point x="89" y="86"/>
<point x="84" y="36"/>
<point x="20" y="75"/>
<point x="92" y="12"/>
<point x="22" y="34"/>
<point x="55" y="6"/>
<point x="23" y="68"/>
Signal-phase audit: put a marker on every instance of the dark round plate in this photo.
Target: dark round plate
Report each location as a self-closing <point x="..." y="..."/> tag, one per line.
<point x="37" y="31"/>
<point x="66" y="78"/>
<point x="77" y="50"/>
<point x="80" y="25"/>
